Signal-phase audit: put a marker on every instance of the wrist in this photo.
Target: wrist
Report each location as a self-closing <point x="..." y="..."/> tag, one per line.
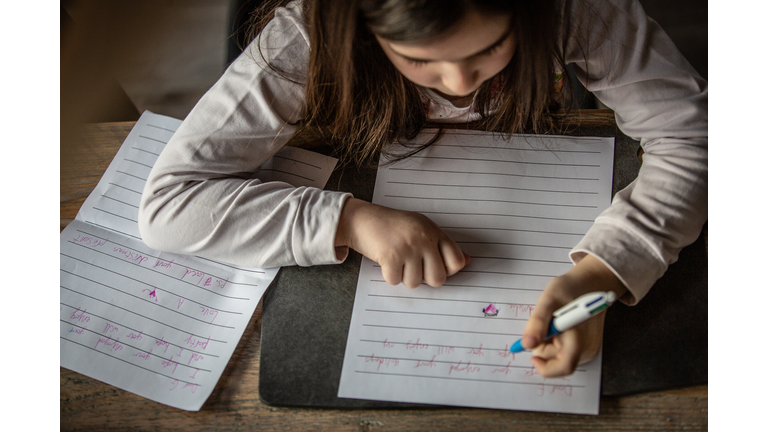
<point x="598" y="275"/>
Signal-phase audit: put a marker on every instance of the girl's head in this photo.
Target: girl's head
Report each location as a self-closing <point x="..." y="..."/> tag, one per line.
<point x="454" y="58"/>
<point x="369" y="59"/>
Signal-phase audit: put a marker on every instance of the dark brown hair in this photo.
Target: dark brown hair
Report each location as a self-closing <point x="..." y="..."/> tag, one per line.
<point x="359" y="101"/>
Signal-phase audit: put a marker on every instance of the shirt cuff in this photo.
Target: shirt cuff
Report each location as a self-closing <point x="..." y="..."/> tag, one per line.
<point x="315" y="228"/>
<point x="625" y="254"/>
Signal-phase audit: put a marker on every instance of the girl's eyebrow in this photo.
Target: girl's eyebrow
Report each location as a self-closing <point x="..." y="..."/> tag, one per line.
<point x="488" y="48"/>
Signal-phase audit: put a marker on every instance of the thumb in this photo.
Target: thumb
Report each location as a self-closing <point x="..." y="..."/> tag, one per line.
<point x="536" y="328"/>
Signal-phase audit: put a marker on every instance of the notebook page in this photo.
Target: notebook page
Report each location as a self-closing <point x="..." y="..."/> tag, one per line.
<point x="157" y="324"/>
<point x="516" y="207"/>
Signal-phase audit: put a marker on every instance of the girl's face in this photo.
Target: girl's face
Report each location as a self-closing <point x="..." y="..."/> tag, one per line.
<point x="456" y="63"/>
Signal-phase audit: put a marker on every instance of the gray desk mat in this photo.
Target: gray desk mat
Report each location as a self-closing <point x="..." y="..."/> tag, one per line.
<point x="659" y="344"/>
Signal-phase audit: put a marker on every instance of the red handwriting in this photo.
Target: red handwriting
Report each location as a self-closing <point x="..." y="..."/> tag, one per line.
<point x="135" y="336"/>
<point x="170" y="363"/>
<point x="81" y="317"/>
<point x="145" y="356"/>
<point x="195" y="342"/>
<point x="505" y="370"/>
<point x="114" y="345"/>
<point x="78" y="330"/>
<point x="110" y="328"/>
<point x="152" y="294"/>
<point x="429" y="364"/>
<point x="388" y="344"/>
<point x="382" y="361"/>
<point x="415" y="345"/>
<point x="445" y="350"/>
<point x="131" y="255"/>
<point x="477" y="351"/>
<point x="540" y="390"/>
<point x="207" y="311"/>
<point x="195" y="357"/>
<point x="505" y="353"/>
<point x="90" y="241"/>
<point x="468" y="368"/>
<point x="166" y="264"/>
<point x="521" y="309"/>
<point x="161" y="342"/>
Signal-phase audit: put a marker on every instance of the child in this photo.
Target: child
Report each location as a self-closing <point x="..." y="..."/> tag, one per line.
<point x="366" y="73"/>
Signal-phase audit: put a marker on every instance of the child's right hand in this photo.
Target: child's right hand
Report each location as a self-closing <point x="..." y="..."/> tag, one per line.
<point x="408" y="246"/>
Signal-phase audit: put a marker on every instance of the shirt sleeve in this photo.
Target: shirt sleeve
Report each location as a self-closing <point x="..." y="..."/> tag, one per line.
<point x="203" y="196"/>
<point x="627" y="61"/>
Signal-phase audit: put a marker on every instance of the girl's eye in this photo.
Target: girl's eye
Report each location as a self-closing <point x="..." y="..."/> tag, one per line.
<point x="416" y="62"/>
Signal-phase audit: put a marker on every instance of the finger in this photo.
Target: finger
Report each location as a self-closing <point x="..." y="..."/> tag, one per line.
<point x="412" y="273"/>
<point x="536" y="328"/>
<point x="454" y="259"/>
<point x="434" y="270"/>
<point x="559" y="358"/>
<point x="393" y="273"/>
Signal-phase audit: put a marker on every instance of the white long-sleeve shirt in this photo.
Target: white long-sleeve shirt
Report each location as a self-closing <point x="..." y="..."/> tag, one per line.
<point x="202" y="196"/>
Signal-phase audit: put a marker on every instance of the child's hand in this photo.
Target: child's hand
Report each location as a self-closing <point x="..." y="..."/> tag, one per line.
<point x="409" y="247"/>
<point x="560" y="355"/>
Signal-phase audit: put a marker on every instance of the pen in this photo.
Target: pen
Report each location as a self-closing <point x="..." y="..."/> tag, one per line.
<point x="573" y="313"/>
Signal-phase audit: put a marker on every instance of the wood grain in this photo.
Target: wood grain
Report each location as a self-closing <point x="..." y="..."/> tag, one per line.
<point x="88" y="404"/>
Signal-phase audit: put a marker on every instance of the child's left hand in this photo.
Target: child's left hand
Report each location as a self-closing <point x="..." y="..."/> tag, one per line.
<point x="560" y="355"/>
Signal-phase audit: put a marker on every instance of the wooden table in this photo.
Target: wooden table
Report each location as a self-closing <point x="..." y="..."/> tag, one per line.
<point x="88" y="404"/>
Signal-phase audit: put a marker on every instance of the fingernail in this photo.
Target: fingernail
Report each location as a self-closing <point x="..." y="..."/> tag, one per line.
<point x="530" y="341"/>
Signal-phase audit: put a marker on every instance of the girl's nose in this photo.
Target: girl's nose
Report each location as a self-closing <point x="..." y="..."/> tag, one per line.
<point x="459" y="78"/>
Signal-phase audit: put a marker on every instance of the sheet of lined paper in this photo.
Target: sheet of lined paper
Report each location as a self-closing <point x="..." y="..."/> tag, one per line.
<point x="516" y="207"/>
<point x="157" y="324"/>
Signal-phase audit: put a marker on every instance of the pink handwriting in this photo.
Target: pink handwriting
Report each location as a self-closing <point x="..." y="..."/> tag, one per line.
<point x="145" y="356"/>
<point x="194" y="342"/>
<point x="181" y="302"/>
<point x="82" y="317"/>
<point x="505" y="353"/>
<point x="194" y="373"/>
<point x="110" y="328"/>
<point x="195" y="357"/>
<point x="193" y="273"/>
<point x="564" y="390"/>
<point x="135" y="336"/>
<point x="89" y="241"/>
<point x="174" y="383"/>
<point x="193" y="387"/>
<point x="166" y="264"/>
<point x="532" y="371"/>
<point x="382" y="361"/>
<point x="388" y="344"/>
<point x="505" y="370"/>
<point x="477" y="351"/>
<point x="222" y="283"/>
<point x="521" y="308"/>
<point x="207" y="311"/>
<point x="429" y="364"/>
<point x="161" y="342"/>
<point x="170" y="363"/>
<point x="445" y="350"/>
<point x="113" y="344"/>
<point x="78" y="330"/>
<point x="152" y="294"/>
<point x="416" y="345"/>
<point x="468" y="368"/>
<point x="208" y="281"/>
<point x="131" y="255"/>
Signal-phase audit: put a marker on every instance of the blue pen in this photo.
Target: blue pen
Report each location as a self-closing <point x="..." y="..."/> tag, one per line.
<point x="574" y="313"/>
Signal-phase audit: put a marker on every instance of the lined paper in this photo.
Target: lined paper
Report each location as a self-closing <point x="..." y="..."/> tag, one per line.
<point x="157" y="324"/>
<point x="516" y="207"/>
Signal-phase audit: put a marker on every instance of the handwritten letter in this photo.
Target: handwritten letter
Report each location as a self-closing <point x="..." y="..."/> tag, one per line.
<point x="516" y="207"/>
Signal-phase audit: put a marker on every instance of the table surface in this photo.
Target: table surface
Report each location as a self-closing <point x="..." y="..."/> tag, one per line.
<point x="88" y="404"/>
